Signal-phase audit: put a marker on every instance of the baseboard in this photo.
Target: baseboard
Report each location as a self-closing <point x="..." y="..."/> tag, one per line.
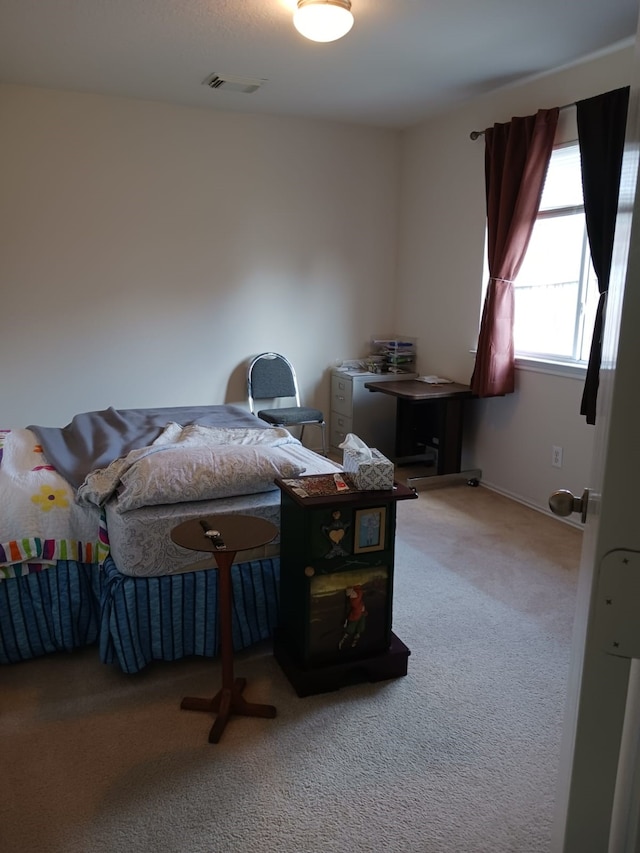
<point x="519" y="499"/>
<point x="422" y="482"/>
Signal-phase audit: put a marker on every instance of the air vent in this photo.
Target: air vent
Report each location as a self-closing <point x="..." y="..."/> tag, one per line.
<point x="231" y="83"/>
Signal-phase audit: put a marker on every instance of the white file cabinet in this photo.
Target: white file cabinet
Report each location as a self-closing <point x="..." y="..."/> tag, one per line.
<point x="370" y="416"/>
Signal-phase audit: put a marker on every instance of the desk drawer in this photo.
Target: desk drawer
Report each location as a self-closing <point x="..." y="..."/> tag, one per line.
<point x="341" y="395"/>
<point x="340" y="426"/>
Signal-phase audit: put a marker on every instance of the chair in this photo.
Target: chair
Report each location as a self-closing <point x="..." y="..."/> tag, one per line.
<point x="271" y="376"/>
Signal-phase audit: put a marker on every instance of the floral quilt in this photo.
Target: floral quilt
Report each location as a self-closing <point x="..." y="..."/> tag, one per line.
<point x="40" y="520"/>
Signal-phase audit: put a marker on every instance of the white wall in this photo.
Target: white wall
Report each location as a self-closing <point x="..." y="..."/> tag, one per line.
<point x="441" y="251"/>
<point x="148" y="250"/>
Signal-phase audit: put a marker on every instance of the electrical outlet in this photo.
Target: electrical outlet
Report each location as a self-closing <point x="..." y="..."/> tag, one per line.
<point x="556" y="457"/>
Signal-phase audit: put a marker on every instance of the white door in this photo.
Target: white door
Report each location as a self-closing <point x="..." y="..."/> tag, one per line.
<point x="598" y="799"/>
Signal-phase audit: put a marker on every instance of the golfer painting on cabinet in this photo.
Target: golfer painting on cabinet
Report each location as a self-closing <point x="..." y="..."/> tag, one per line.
<point x="355" y="621"/>
<point x="348" y="613"/>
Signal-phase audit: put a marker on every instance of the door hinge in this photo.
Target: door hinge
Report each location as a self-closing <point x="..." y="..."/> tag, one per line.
<point x="618" y="603"/>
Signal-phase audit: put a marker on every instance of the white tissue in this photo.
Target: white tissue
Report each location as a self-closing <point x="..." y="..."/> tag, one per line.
<point x="357" y="446"/>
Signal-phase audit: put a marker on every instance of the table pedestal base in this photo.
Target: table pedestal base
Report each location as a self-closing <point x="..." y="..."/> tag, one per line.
<point x="227" y="701"/>
<point x="225" y="535"/>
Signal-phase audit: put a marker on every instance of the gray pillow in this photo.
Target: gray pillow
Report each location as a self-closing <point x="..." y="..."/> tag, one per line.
<point x="179" y="474"/>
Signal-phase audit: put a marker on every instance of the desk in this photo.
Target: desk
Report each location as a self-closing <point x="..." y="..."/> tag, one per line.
<point x="428" y="417"/>
<point x="234" y="533"/>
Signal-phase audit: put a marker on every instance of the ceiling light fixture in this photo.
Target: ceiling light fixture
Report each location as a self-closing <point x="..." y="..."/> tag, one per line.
<point x="323" y="20"/>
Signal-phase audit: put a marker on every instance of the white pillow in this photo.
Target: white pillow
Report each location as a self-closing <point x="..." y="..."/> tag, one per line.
<point x="200" y="473"/>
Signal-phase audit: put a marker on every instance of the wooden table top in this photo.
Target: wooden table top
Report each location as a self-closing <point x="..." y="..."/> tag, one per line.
<point x="354" y="497"/>
<point x="237" y="532"/>
<point x="413" y="389"/>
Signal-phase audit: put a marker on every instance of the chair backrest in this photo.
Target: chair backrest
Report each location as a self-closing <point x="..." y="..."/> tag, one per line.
<point x="269" y="376"/>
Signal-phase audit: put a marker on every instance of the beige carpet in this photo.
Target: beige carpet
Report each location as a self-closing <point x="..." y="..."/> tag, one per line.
<point x="460" y="756"/>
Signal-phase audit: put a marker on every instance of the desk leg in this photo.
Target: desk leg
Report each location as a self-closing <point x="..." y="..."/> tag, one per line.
<point x="450" y="452"/>
<point x="405" y="441"/>
<point x="229" y="699"/>
<point x="435" y="424"/>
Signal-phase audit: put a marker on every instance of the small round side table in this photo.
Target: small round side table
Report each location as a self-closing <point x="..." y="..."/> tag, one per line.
<point x="224" y="536"/>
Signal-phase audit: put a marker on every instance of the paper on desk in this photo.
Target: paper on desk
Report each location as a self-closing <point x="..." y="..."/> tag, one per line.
<point x="435" y="380"/>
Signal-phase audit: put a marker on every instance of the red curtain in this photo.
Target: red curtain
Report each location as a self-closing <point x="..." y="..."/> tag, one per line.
<point x="602" y="123"/>
<point x="517" y="156"/>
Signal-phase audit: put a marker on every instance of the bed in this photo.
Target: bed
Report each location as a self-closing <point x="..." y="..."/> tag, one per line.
<point x="85" y="550"/>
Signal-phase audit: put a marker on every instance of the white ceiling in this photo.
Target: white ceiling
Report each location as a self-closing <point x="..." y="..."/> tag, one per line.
<point x="403" y="59"/>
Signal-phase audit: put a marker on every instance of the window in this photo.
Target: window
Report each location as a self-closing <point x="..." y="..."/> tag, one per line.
<point x="556" y="291"/>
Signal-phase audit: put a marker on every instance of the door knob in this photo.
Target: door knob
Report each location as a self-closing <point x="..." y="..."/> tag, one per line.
<point x="563" y="502"/>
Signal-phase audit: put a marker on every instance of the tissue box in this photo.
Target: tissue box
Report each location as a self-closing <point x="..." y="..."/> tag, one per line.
<point x="370" y="475"/>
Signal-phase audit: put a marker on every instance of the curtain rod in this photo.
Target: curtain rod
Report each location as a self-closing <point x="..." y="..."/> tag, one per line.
<point x="476" y="133"/>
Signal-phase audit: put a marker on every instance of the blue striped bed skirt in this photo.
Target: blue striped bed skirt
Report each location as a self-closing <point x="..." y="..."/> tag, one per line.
<point x="175" y="616"/>
<point x="53" y="610"/>
<point x="134" y="620"/>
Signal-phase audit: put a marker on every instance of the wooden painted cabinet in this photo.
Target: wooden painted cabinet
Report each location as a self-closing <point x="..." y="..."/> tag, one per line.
<point x="337" y="554"/>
